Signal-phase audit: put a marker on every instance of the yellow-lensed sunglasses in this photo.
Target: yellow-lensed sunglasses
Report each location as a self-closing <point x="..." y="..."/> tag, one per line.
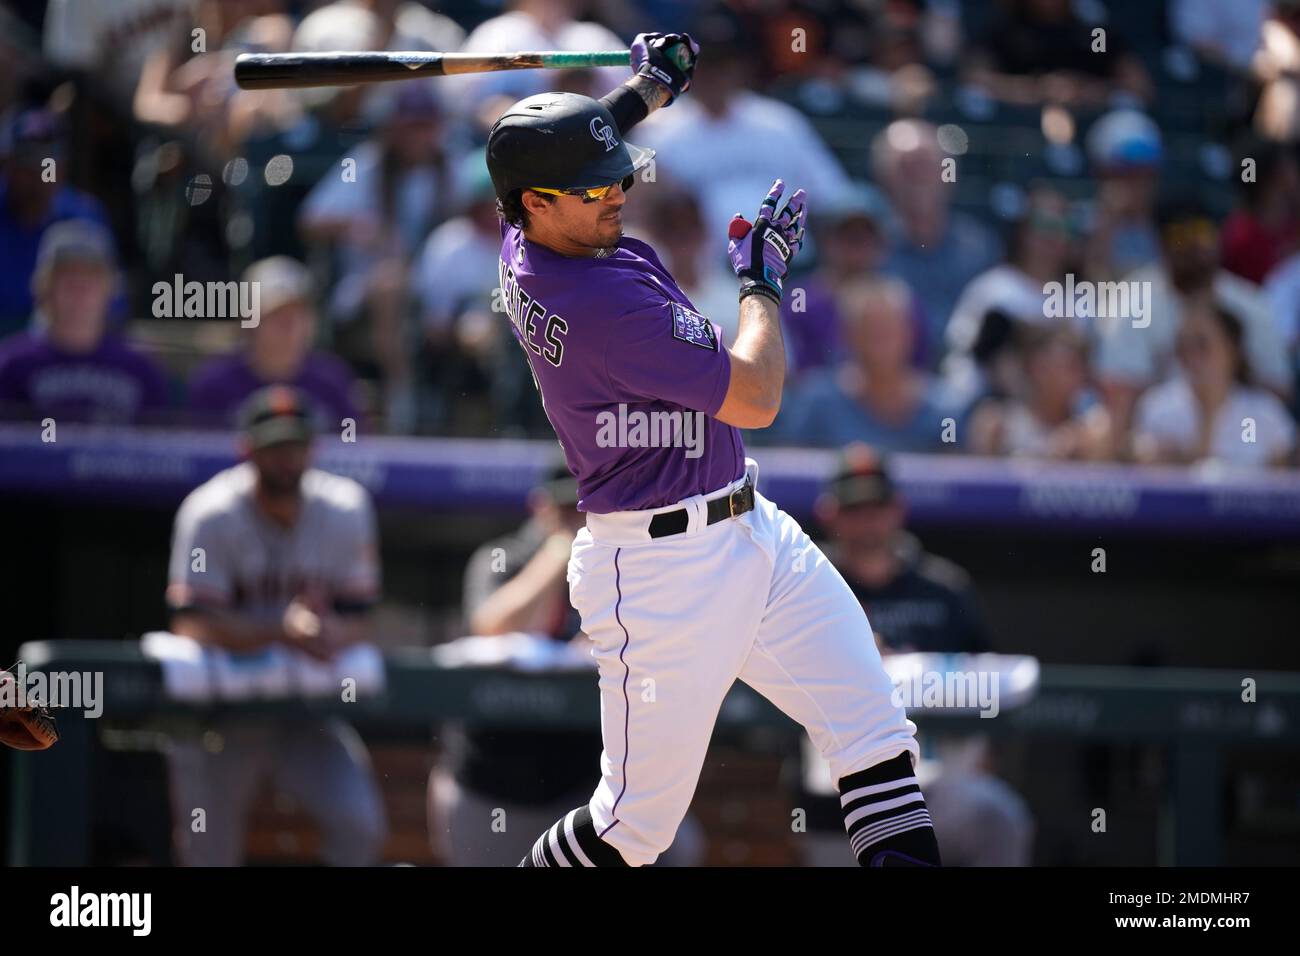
<point x="592" y="194"/>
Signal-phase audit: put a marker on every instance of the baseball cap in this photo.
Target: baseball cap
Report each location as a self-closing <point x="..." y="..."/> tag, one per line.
<point x="1125" y="139"/>
<point x="72" y="240"/>
<point x="560" y="486"/>
<point x="861" y="477"/>
<point x="275" y="415"/>
<point x="280" y="280"/>
<point x="32" y="135"/>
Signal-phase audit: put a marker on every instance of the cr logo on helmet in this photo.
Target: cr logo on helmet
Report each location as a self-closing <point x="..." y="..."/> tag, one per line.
<point x="603" y="133"/>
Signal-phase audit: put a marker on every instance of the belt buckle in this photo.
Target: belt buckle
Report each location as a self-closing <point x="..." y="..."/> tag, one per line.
<point x="731" y="499"/>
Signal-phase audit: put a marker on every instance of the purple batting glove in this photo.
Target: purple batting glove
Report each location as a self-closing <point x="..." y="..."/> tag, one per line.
<point x="761" y="251"/>
<point x="666" y="58"/>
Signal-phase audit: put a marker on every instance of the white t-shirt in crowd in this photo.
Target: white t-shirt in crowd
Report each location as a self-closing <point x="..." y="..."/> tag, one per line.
<point x="1232" y="28"/>
<point x="457" y="263"/>
<point x="1145" y="355"/>
<point x="420" y="193"/>
<point x="729" y="162"/>
<point x="1169" y="414"/>
<point x="112" y="38"/>
<point x="516" y="31"/>
<point x="1282" y="286"/>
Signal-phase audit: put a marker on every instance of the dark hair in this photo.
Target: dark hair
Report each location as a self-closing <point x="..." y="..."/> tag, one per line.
<point x="997" y="331"/>
<point x="1181" y="208"/>
<point x="1235" y="330"/>
<point x="512" y="210"/>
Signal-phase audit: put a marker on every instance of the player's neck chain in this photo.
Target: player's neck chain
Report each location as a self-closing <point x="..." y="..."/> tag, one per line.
<point x="606" y="251"/>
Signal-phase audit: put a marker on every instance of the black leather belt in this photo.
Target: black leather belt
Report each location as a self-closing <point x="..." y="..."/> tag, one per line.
<point x="675" y="522"/>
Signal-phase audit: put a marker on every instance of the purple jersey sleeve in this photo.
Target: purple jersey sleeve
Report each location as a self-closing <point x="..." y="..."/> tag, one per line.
<point x="667" y="351"/>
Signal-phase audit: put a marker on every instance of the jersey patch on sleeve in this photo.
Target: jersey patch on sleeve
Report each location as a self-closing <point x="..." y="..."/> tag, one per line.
<point x="690" y="326"/>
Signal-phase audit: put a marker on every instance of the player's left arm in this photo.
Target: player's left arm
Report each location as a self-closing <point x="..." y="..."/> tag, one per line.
<point x="663" y="65"/>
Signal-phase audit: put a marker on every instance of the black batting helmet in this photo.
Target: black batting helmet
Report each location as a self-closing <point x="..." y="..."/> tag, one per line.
<point x="559" y="141"/>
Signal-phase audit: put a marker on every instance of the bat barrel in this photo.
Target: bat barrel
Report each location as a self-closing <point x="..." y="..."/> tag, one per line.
<point x="269" y="71"/>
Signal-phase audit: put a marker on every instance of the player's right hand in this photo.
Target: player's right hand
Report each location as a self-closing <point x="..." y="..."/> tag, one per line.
<point x="761" y="251"/>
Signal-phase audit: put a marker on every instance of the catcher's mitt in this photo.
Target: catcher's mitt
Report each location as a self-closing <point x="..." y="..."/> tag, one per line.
<point x="25" y="728"/>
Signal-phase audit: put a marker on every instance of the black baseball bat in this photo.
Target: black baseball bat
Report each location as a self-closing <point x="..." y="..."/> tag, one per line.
<point x="284" y="71"/>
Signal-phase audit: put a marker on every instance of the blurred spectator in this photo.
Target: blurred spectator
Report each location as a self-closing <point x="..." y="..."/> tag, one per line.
<point x="1226" y="34"/>
<point x="110" y="42"/>
<point x="1265" y="230"/>
<point x="517" y="584"/>
<point x="1055" y="416"/>
<point x="932" y="247"/>
<point x="676" y="224"/>
<point x="70" y="367"/>
<point x="187" y="84"/>
<point x="195" y="121"/>
<point x="1211" y="410"/>
<point x="375" y="211"/>
<point x="19" y="59"/>
<point x="33" y="194"/>
<point x="1126" y="152"/>
<point x="726" y="143"/>
<point x="290" y="561"/>
<point x="892" y="48"/>
<point x="1040" y="51"/>
<point x="530" y="25"/>
<point x="1276" y="69"/>
<point x="876" y="396"/>
<point x="1283" y="291"/>
<point x="279" y="351"/>
<point x="381" y="25"/>
<point x="473" y="378"/>
<point x="850" y="245"/>
<point x="916" y="602"/>
<point x="1042" y="251"/>
<point x="1138" y="351"/>
<point x="459" y="259"/>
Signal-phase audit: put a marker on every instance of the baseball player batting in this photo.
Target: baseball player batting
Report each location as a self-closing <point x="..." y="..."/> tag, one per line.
<point x="685" y="576"/>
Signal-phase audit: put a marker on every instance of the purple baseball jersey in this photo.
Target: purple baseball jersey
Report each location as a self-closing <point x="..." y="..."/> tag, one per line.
<point x="629" y="372"/>
<point x="221" y="386"/>
<point x="113" y="385"/>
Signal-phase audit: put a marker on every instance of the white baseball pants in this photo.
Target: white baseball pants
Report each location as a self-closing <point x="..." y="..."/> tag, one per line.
<point x="675" y="621"/>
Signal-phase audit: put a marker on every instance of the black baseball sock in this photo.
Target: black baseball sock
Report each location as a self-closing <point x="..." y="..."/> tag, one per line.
<point x="573" y="842"/>
<point x="886" y="817"/>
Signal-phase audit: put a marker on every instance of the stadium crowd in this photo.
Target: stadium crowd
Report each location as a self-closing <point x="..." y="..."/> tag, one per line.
<point x="1039" y="228"/>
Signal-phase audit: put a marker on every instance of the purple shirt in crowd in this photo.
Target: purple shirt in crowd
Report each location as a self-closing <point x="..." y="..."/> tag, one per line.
<point x="629" y="373"/>
<point x="113" y="385"/>
<point x="220" y="387"/>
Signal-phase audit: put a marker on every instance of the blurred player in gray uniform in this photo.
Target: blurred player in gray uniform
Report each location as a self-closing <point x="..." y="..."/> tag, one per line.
<point x="288" y="557"/>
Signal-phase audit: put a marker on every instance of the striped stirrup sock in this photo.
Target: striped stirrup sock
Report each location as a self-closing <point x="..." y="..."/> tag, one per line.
<point x="885" y="816"/>
<point x="572" y="841"/>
